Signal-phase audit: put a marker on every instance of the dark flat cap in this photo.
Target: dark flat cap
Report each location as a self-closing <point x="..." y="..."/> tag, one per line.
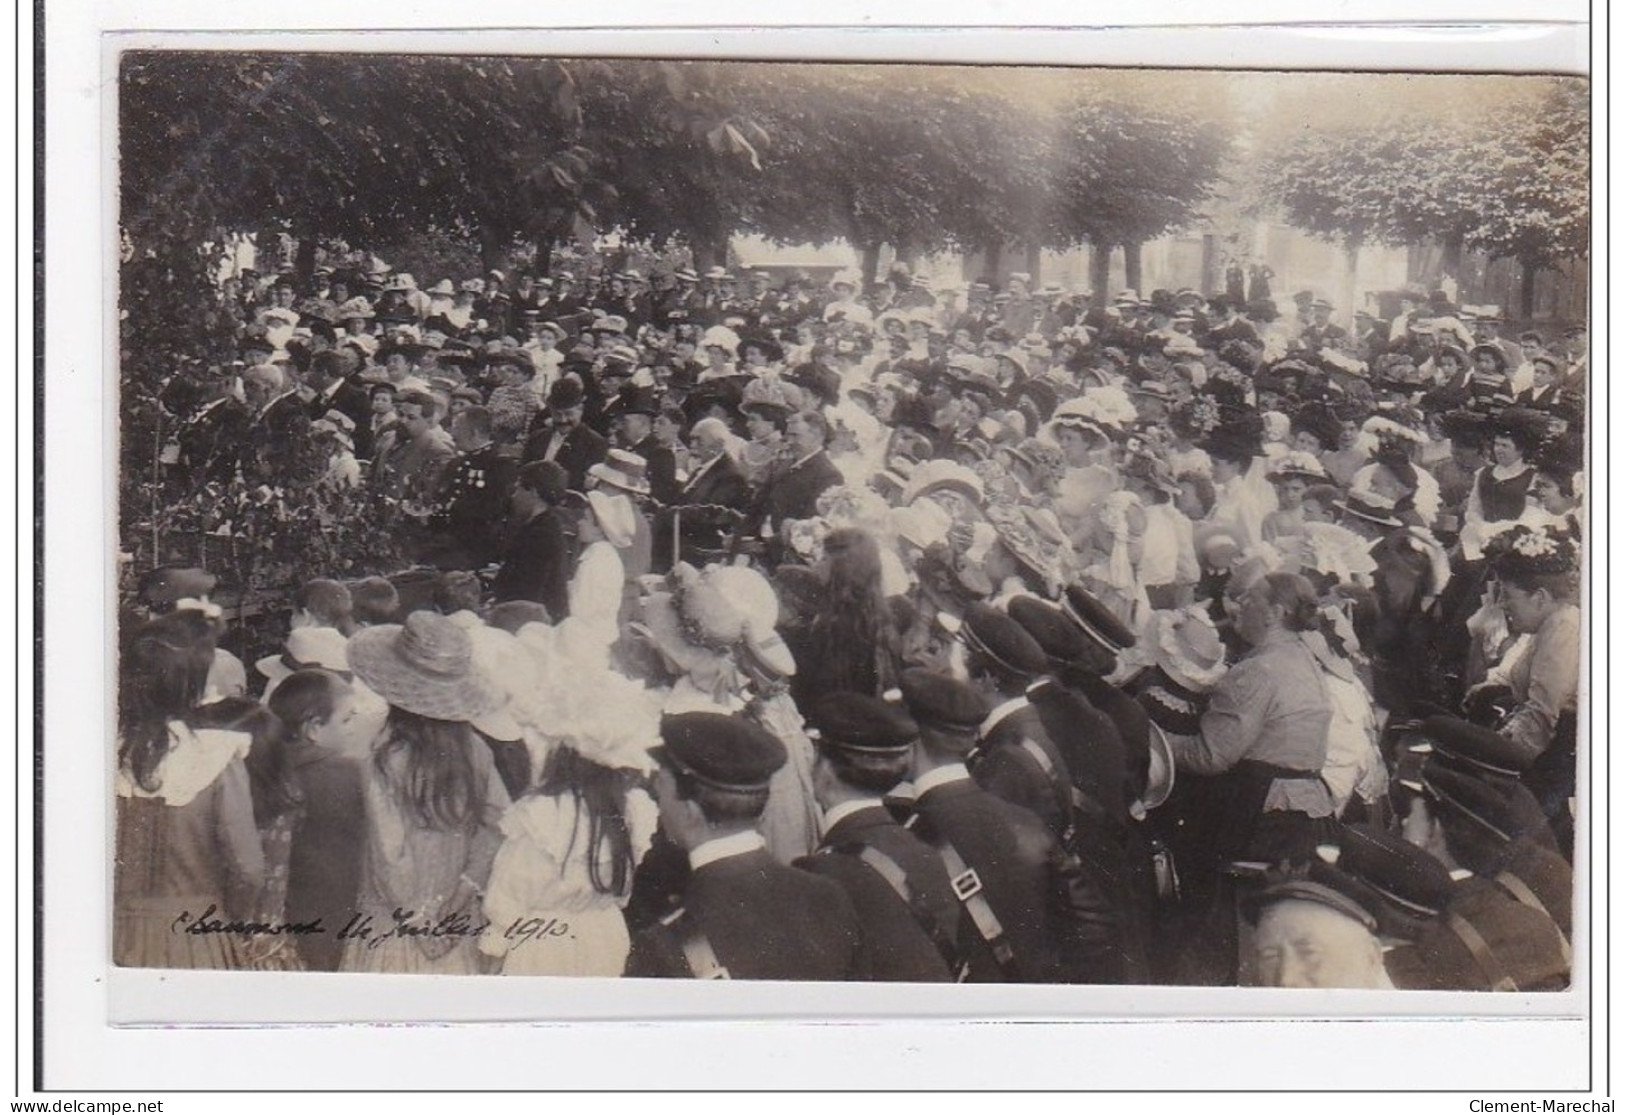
<point x="1096" y="620"/>
<point x="995" y="636"/>
<point x="1465" y="744"/>
<point x="1408" y="885"/>
<point x="862" y="725"/>
<point x="1060" y="638"/>
<point x="724" y="752"/>
<point x="1320" y="883"/>
<point x="938" y="701"/>
<point x="1499" y="807"/>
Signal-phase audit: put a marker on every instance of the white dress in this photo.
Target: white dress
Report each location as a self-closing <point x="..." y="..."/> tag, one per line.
<point x="547" y="918"/>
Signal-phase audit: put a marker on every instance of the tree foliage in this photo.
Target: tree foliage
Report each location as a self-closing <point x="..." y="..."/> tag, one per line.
<point x="1510" y="180"/>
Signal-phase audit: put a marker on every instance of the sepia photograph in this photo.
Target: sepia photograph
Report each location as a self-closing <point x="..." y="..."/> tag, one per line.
<point x="682" y="519"/>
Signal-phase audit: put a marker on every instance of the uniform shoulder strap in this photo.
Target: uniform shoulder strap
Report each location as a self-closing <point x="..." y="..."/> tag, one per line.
<point x="897" y="878"/>
<point x="1521" y="891"/>
<point x="700" y="957"/>
<point x="968" y="889"/>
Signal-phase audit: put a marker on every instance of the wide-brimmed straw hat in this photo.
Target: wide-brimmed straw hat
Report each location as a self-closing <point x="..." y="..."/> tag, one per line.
<point x="424" y="666"/>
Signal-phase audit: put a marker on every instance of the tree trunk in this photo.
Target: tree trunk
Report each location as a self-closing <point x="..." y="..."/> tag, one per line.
<point x="304" y="262"/>
<point x="1100" y="274"/>
<point x="1131" y="267"/>
<point x="993" y="265"/>
<point x="1451" y="245"/>
<point x="710" y="249"/>
<point x="493" y="251"/>
<point x="870" y="265"/>
<point x="1351" y="253"/>
<point x="1526" y="290"/>
<point x="908" y="254"/>
<point x="1035" y="263"/>
<point x="544" y="257"/>
<point x="1212" y="273"/>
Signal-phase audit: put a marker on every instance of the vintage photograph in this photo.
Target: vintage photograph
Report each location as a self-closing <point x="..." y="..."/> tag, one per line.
<point x="688" y="519"/>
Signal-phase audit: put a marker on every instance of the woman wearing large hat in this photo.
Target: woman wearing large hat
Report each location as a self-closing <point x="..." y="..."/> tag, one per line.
<point x="433" y="800"/>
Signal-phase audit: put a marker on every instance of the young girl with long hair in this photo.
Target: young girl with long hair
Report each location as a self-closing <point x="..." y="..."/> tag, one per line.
<point x="852" y="643"/>
<point x="187" y="853"/>
<point x="432" y="802"/>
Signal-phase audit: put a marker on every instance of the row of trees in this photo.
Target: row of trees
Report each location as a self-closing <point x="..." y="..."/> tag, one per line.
<point x="508" y="151"/>
<point x="366" y="148"/>
<point x="1507" y="176"/>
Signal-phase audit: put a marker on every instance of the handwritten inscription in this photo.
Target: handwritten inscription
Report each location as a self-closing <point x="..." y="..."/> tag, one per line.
<point x="364" y="927"/>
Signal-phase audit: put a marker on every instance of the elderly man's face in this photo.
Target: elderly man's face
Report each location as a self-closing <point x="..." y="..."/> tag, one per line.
<point x="1305" y="944"/>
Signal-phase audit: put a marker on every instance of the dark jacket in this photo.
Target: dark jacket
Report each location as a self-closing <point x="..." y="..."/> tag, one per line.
<point x="278" y="449"/>
<point x="352" y="401"/>
<point x="473" y="502"/>
<point x="793" y="492"/>
<point x="763" y="920"/>
<point x="904" y="941"/>
<point x="324" y="860"/>
<point x="1018" y="762"/>
<point x="1059" y="928"/>
<point x="706" y="510"/>
<point x="537" y="565"/>
<point x="662" y="469"/>
<point x="583" y="447"/>
<point x="211" y="442"/>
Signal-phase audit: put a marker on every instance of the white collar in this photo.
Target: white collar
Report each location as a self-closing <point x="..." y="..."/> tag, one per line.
<point x="1459" y="874"/>
<point x="807" y="458"/>
<point x="940" y="776"/>
<point x="725" y="847"/>
<point x="835" y="814"/>
<point x="332" y="389"/>
<point x="999" y="713"/>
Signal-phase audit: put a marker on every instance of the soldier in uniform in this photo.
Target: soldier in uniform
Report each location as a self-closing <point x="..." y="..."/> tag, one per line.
<point x="743" y="914"/>
<point x="473" y="498"/>
<point x="1030" y="915"/>
<point x="1493" y="931"/>
<point x="898" y="885"/>
<point x="1014" y="757"/>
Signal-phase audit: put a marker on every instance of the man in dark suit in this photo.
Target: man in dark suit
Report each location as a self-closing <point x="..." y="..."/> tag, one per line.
<point x="710" y="503"/>
<point x="278" y="449"/>
<point x="538" y="561"/>
<point x="638" y="410"/>
<point x="792" y="492"/>
<point x="898" y="885"/>
<point x="334" y="390"/>
<point x="1031" y="915"/>
<point x="211" y="439"/>
<point x="744" y="915"/>
<point x="562" y="437"/>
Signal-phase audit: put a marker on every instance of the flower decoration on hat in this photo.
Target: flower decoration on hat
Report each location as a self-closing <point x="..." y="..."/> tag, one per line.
<point x="1305" y="466"/>
<point x="1533" y="551"/>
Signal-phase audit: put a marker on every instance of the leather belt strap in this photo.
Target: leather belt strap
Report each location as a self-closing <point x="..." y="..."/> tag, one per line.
<point x="697" y="951"/>
<point x="896" y="878"/>
<point x="968" y="889"/>
<point x="1488" y="963"/>
<point x="1519" y="889"/>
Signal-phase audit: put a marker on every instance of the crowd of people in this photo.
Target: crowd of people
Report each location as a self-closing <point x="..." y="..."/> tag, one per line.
<point x="785" y="630"/>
